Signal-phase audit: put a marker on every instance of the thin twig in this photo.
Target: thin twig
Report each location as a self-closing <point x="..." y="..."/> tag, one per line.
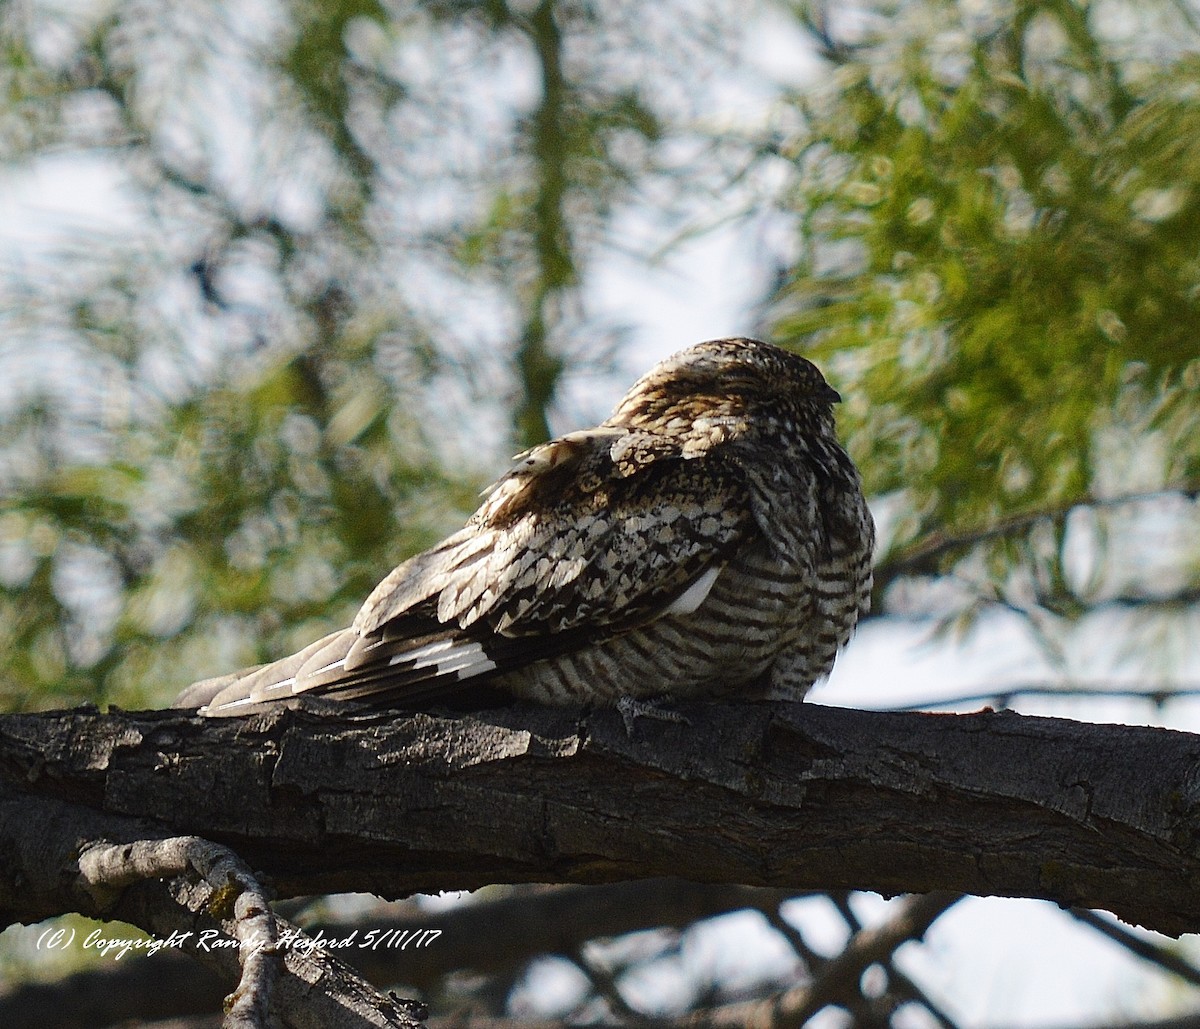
<point x="108" y="867"/>
<point x="604" y="983"/>
<point x="796" y="941"/>
<point x="838" y="978"/>
<point x="1145" y="949"/>
<point x="1002" y="696"/>
<point x="922" y="556"/>
<point x="899" y="983"/>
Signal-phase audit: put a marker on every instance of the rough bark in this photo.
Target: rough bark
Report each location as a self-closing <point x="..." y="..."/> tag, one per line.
<point x="795" y="796"/>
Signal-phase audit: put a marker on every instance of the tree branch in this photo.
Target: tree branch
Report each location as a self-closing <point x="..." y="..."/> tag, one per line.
<point x="1147" y="950"/>
<point x="1005" y="693"/>
<point x="763" y="794"/>
<point x="836" y="980"/>
<point x="923" y="556"/>
<point x="107" y="869"/>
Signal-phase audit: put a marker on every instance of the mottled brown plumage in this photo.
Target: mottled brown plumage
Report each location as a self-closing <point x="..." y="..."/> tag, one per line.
<point x="710" y="538"/>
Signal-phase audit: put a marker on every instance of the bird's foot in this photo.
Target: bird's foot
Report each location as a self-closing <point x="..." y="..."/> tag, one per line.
<point x="631" y="709"/>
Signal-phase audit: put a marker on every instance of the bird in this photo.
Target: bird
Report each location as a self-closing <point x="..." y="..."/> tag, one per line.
<point x="707" y="541"/>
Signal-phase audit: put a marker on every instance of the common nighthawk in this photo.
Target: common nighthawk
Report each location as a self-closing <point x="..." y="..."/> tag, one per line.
<point x="708" y="539"/>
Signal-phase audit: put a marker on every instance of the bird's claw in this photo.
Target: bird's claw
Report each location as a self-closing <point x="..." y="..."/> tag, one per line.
<point x="631" y="709"/>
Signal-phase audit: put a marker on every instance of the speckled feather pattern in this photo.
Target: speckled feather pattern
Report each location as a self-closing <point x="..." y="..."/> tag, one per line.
<point x="709" y="538"/>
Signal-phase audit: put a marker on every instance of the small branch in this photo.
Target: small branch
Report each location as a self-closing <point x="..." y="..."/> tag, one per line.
<point x="1003" y="696"/>
<point x="1183" y="598"/>
<point x="43" y="839"/>
<point x="604" y="985"/>
<point x="921" y="557"/>
<point x="900" y="985"/>
<point x="840" y="976"/>
<point x="316" y="991"/>
<point x="105" y="867"/>
<point x="814" y="18"/>
<point x="841" y="901"/>
<point x="795" y="939"/>
<point x="908" y="991"/>
<point x="838" y="979"/>
<point x="1144" y="949"/>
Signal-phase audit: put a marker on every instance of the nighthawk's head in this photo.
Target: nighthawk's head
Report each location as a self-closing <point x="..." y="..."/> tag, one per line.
<point x="737" y="386"/>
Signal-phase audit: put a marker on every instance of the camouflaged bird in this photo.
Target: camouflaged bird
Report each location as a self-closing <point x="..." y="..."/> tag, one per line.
<point x="708" y="539"/>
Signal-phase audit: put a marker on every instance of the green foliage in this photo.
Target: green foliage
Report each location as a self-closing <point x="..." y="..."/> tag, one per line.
<point x="253" y="519"/>
<point x="1001" y="233"/>
<point x="320" y="66"/>
<point x="224" y="419"/>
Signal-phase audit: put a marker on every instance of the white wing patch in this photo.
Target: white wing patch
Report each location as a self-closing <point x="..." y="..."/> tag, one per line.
<point x="422" y="657"/>
<point x="465" y="660"/>
<point x="692" y="597"/>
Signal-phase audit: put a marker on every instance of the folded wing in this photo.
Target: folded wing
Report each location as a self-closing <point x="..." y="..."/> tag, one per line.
<point x="587" y="536"/>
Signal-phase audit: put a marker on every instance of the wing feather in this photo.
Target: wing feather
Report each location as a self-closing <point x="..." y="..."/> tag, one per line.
<point x="573" y="545"/>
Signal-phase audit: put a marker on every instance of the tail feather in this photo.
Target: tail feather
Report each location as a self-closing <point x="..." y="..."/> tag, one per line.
<point x="259" y="684"/>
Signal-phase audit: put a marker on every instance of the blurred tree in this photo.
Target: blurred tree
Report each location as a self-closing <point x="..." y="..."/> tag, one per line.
<point x="337" y="232"/>
<point x="345" y="241"/>
<point x="999" y="220"/>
